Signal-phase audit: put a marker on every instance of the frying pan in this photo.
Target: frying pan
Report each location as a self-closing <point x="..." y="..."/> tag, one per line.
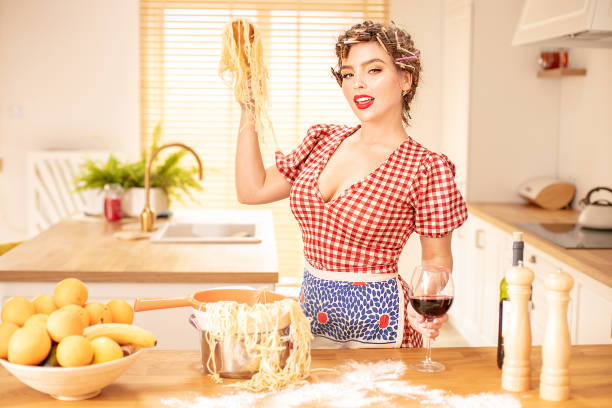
<point x="198" y="301"/>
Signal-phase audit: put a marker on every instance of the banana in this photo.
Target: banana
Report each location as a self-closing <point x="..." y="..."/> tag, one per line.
<point x="122" y="333"/>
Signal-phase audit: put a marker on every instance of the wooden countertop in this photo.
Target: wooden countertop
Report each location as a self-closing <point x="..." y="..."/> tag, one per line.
<point x="87" y="249"/>
<point x="160" y="375"/>
<point x="595" y="263"/>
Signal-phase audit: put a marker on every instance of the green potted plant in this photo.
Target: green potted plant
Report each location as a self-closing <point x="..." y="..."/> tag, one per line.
<point x="168" y="179"/>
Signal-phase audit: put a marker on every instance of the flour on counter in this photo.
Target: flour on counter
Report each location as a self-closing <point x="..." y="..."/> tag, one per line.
<point x="358" y="385"/>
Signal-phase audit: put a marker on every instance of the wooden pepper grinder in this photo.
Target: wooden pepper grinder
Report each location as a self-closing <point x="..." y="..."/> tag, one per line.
<point x="516" y="370"/>
<point x="554" y="380"/>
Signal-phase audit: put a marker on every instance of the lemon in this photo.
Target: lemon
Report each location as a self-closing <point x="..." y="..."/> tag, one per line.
<point x="38" y="318"/>
<point x="98" y="313"/>
<point x="74" y="351"/>
<point x="121" y="310"/>
<point x="6" y="331"/>
<point x="70" y="291"/>
<point x="83" y="314"/>
<point x="63" y="323"/>
<point x="17" y="310"/>
<point x="29" y="345"/>
<point x="105" y="349"/>
<point x="44" y="304"/>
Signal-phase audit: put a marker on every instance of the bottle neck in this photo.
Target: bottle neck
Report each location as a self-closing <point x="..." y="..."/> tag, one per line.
<point x="517" y="252"/>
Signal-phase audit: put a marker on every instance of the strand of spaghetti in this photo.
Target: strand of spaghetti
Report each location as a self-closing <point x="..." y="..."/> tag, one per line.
<point x="242" y="68"/>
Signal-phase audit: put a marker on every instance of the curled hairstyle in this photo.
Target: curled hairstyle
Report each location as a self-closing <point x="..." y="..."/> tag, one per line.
<point x="395" y="41"/>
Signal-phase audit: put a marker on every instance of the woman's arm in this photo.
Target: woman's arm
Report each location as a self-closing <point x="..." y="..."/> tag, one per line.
<point x="434" y="251"/>
<point x="254" y="183"/>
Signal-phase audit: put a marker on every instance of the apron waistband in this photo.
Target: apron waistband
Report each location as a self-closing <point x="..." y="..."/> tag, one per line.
<point x="349" y="276"/>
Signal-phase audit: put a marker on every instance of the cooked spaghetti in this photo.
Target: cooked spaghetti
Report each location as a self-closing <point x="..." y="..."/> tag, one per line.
<point x="259" y="327"/>
<point x="242" y="68"/>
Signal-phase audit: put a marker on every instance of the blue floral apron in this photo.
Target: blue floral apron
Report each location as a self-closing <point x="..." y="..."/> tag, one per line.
<point x="353" y="310"/>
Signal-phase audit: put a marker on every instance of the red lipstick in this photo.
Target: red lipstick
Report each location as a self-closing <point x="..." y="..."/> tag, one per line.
<point x="363" y="101"/>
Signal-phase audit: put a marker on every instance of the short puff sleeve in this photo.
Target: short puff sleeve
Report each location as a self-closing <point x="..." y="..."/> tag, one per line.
<point x="439" y="207"/>
<point x="290" y="164"/>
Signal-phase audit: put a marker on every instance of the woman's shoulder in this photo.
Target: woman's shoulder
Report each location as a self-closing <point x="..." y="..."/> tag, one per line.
<point x="428" y="159"/>
<point x="329" y="131"/>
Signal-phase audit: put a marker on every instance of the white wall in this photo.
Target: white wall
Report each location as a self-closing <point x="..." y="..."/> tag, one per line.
<point x="422" y="19"/>
<point x="68" y="80"/>
<point x="514" y="115"/>
<point x="585" y="127"/>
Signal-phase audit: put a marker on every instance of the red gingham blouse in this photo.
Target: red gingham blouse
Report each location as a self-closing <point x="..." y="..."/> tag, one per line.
<point x="365" y="227"/>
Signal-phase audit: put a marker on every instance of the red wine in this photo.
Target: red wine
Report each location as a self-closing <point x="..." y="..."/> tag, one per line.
<point x="431" y="306"/>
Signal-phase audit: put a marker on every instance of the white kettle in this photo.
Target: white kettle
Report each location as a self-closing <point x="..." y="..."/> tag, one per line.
<point x="597" y="214"/>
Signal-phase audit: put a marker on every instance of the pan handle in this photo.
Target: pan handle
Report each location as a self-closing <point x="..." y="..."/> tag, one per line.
<point x="141" y="304"/>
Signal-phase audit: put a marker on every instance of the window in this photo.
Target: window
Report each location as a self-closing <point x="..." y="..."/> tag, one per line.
<point x="180" y="85"/>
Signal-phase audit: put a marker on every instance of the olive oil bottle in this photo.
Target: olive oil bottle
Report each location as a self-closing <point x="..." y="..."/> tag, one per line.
<point x="518" y="247"/>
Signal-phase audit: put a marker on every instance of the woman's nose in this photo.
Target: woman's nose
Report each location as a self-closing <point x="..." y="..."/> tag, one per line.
<point x="358" y="83"/>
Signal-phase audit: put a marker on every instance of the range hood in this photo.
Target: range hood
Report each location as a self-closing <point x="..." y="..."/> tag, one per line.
<point x="565" y="23"/>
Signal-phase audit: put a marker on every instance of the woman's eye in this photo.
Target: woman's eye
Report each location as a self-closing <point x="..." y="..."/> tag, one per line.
<point x="375" y="70"/>
<point x="347" y="75"/>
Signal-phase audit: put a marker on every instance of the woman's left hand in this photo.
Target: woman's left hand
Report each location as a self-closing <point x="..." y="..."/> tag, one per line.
<point x="428" y="328"/>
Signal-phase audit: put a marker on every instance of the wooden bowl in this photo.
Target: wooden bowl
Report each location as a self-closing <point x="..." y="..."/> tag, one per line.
<point x="73" y="383"/>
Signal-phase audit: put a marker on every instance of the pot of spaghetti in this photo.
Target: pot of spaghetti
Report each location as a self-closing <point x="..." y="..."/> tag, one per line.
<point x="246" y="333"/>
<point x="230" y="356"/>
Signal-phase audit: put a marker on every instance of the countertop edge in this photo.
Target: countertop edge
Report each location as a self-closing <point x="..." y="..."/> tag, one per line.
<point x="562" y="254"/>
<point x="142" y="277"/>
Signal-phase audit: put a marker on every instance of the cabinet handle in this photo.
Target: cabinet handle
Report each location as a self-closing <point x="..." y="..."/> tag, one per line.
<point x="532" y="259"/>
<point x="477" y="238"/>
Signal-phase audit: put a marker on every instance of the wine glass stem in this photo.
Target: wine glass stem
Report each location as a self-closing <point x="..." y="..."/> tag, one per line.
<point x="428" y="352"/>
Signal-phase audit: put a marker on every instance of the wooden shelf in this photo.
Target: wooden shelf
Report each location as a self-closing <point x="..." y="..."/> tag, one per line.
<point x="560" y="72"/>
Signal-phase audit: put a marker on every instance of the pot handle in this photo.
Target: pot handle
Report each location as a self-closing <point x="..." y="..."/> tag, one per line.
<point x="141" y="304"/>
<point x="587" y="200"/>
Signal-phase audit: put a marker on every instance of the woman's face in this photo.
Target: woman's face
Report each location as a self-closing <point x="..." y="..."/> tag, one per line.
<point x="371" y="83"/>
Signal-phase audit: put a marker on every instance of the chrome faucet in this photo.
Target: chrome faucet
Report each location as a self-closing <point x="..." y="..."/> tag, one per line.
<point x="147" y="216"/>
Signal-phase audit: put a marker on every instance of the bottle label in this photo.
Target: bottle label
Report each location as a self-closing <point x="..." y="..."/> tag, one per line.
<point x="505" y="315"/>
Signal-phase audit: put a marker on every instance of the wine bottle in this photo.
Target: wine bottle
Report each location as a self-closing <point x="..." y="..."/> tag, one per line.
<point x="517" y="257"/>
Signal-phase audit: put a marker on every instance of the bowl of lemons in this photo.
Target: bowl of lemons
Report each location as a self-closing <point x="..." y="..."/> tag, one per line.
<point x="67" y="348"/>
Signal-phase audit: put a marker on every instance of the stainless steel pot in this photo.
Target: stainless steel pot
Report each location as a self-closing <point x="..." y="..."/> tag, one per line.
<point x="230" y="356"/>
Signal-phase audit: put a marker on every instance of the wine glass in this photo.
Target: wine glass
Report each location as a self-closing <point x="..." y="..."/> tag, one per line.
<point x="431" y="295"/>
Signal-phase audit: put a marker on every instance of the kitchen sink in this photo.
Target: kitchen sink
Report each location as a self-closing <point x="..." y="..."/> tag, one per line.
<point x="206" y="232"/>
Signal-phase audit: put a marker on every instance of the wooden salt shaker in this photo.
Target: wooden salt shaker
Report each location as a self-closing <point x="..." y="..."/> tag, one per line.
<point x="554" y="380"/>
<point x="516" y="370"/>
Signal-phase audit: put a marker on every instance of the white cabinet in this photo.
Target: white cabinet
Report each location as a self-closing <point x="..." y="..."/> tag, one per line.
<point x="483" y="252"/>
<point x="480" y="254"/>
<point x="593" y="317"/>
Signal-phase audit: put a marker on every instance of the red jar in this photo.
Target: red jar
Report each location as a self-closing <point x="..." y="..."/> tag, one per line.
<point x="112" y="202"/>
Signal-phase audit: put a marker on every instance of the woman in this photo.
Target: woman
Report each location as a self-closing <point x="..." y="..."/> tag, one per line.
<point x="358" y="193"/>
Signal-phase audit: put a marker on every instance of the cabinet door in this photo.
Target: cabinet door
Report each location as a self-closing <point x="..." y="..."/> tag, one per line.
<point x="589" y="311"/>
<point x="459" y="248"/>
<point x="543" y="264"/>
<point x="477" y="287"/>
<point x="594" y="315"/>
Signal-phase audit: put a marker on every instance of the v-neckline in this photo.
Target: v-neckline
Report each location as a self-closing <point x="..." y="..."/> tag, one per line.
<point x="322" y="166"/>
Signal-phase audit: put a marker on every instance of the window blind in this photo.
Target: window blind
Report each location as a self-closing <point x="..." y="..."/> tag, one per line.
<point x="180" y="86"/>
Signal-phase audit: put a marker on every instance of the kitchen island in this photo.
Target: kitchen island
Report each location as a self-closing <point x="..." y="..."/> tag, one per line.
<point x="170" y="378"/>
<point x="86" y="248"/>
